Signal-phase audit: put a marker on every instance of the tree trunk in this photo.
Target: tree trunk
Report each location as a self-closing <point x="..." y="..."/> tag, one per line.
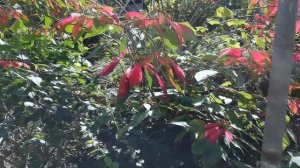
<point x="278" y="85"/>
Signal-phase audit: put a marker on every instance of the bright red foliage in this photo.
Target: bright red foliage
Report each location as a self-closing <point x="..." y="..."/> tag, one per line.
<point x="135" y="76"/>
<point x="273" y="7"/>
<point x="14" y="64"/>
<point x="110" y="67"/>
<point x="259" y="63"/>
<point x="134" y="15"/>
<point x="108" y="11"/>
<point x="232" y="52"/>
<point x="214" y="131"/>
<point x="60" y="26"/>
<point x="293" y="105"/>
<point x="123" y="89"/>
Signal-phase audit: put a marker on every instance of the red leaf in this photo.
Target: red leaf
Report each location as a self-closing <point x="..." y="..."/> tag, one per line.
<point x="124" y="52"/>
<point x="293" y="105"/>
<point x="213" y="134"/>
<point x="108" y="11"/>
<point x="161" y="18"/>
<point x="14" y="64"/>
<point x="4" y="18"/>
<point x="273" y="8"/>
<point x="252" y="3"/>
<point x="16" y="14"/>
<point x="232" y="52"/>
<point x="110" y="67"/>
<point x="158" y="78"/>
<point x="242" y="60"/>
<point x="295" y="58"/>
<point x="134" y="15"/>
<point x="135" y="76"/>
<point x="123" y="89"/>
<point x="64" y="22"/>
<point x="228" y="136"/>
<point x="298" y="27"/>
<point x="259" y="57"/>
<point x="77" y="27"/>
<point x="106" y="20"/>
<point x="146" y="22"/>
<point x="147" y="60"/>
<point x="89" y="23"/>
<point x="262" y="18"/>
<point x="179" y="72"/>
<point x="211" y="125"/>
<point x="180" y="29"/>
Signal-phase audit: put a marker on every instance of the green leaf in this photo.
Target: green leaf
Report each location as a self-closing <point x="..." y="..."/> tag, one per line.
<point x="149" y="79"/>
<point x="245" y="95"/>
<point x="31" y="37"/>
<point x="171" y="40"/>
<point x="285" y="142"/>
<point x="189" y="36"/>
<point x="138" y="118"/>
<point x="197" y="126"/>
<point x="212" y="156"/>
<point x="96" y="31"/>
<point x="236" y="22"/>
<point x="69" y="29"/>
<point x="47" y="22"/>
<point x="260" y="42"/>
<point x="225" y="84"/>
<point x="213" y="21"/>
<point x="199" y="147"/>
<point x="123" y="43"/>
<point x="223" y="12"/>
<point x="201" y="29"/>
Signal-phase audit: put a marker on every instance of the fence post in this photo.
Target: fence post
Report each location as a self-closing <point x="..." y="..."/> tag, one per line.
<point x="280" y="76"/>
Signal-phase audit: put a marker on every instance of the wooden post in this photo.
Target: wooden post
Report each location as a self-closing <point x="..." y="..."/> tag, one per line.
<point x="280" y="76"/>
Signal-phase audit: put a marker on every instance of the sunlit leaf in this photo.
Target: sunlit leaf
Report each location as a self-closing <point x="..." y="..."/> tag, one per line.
<point x="201" y="75"/>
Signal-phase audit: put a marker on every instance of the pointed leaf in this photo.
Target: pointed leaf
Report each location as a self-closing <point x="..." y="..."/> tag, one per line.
<point x="135" y="76"/>
<point x="14" y="64"/>
<point x="64" y="22"/>
<point x="273" y="7"/>
<point x="123" y="89"/>
<point x="158" y="78"/>
<point x="134" y="15"/>
<point x="179" y="73"/>
<point x="89" y="23"/>
<point x="259" y="57"/>
<point x="110" y="67"/>
<point x="293" y="105"/>
<point x="232" y="52"/>
<point x="228" y="136"/>
<point x="108" y="11"/>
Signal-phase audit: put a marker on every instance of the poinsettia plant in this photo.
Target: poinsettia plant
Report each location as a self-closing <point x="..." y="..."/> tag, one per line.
<point x="64" y="64"/>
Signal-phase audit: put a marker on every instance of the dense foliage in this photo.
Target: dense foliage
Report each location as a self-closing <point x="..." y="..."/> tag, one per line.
<point x="183" y="84"/>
